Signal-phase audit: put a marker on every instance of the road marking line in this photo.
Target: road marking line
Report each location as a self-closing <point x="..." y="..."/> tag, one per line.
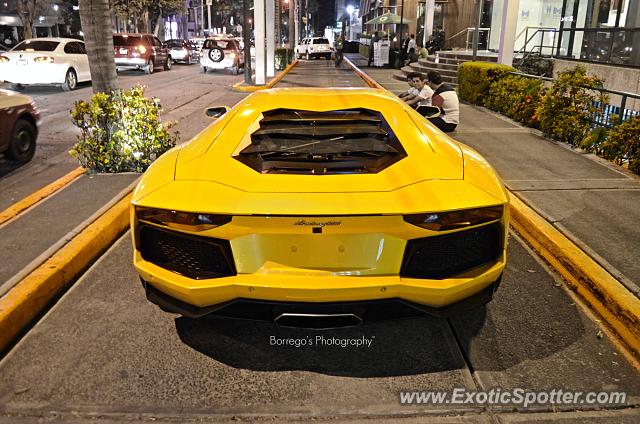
<point x="36" y="197"/>
<point x="251" y="88"/>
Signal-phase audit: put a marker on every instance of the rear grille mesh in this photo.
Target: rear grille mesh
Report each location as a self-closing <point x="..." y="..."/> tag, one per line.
<point x="192" y="256"/>
<point x="444" y="256"/>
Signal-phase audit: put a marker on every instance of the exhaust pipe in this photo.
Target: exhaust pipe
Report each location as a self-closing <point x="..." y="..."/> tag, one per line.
<point x="318" y="321"/>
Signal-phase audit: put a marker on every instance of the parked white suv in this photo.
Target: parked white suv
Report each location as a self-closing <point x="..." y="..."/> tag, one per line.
<point x="221" y="53"/>
<point x="314" y="47"/>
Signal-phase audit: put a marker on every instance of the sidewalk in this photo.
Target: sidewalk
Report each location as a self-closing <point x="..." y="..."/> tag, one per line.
<point x="593" y="202"/>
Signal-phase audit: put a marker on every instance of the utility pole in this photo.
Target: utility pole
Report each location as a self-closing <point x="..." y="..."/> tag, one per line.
<point x="292" y="24"/>
<point x="476" y="33"/>
<point x="209" y="3"/>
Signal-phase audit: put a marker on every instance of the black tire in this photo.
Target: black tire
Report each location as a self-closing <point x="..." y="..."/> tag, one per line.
<point x="22" y="145"/>
<point x="149" y="68"/>
<point x="308" y="56"/>
<point x="167" y="64"/>
<point x="235" y="69"/>
<point x="203" y="69"/>
<point x="216" y="54"/>
<point x="70" y="81"/>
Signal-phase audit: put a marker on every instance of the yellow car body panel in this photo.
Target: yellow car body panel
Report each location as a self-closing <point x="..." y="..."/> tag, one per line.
<point x="278" y="259"/>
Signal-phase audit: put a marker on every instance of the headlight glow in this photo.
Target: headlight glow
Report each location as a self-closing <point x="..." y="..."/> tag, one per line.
<point x="142" y="49"/>
<point x="4" y="59"/>
<point x="188" y="221"/>
<point x="443" y="221"/>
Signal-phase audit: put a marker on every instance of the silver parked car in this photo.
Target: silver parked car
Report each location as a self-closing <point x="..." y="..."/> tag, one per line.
<point x="183" y="51"/>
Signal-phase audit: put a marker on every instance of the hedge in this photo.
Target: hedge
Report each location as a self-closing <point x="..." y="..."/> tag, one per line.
<point x="565" y="111"/>
<point x="475" y="78"/>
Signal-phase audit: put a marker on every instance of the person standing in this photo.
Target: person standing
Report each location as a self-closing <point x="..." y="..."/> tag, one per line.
<point x="445" y="97"/>
<point x="374" y="40"/>
<point x="411" y="44"/>
<point x="339" y="46"/>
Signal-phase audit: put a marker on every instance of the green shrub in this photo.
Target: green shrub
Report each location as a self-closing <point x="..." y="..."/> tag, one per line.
<point x="623" y="143"/>
<point x="517" y="97"/>
<point x="475" y="78"/>
<point x="121" y="132"/>
<point x="283" y="57"/>
<point x="535" y="64"/>
<point x="567" y="107"/>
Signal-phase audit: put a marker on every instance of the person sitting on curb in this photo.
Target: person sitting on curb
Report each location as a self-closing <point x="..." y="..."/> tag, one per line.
<point x="423" y="53"/>
<point x="424" y="92"/>
<point x="412" y="90"/>
<point x="412" y="57"/>
<point x="445" y="97"/>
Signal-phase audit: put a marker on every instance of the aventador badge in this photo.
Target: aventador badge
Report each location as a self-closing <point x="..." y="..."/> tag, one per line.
<point x="317" y="224"/>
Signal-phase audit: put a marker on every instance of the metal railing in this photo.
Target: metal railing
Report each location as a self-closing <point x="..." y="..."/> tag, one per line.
<point x="469" y="36"/>
<point x="608" y="110"/>
<point x="532" y="32"/>
<point x="618" y="46"/>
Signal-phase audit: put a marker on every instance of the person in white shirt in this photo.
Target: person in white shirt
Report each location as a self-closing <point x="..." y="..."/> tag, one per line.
<point x="446" y="98"/>
<point x="411" y="92"/>
<point x="424" y="92"/>
<point x="411" y="44"/>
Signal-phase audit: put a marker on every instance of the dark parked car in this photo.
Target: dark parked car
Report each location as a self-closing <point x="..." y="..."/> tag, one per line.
<point x="183" y="51"/>
<point x="19" y="118"/>
<point x="140" y="51"/>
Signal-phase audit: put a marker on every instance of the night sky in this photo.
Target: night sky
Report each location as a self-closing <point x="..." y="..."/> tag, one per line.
<point x="326" y="14"/>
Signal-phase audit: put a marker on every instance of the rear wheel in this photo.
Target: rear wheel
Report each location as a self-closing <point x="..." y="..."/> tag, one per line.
<point x="308" y="56"/>
<point x="167" y="65"/>
<point x="149" y="68"/>
<point x="23" y="141"/>
<point x="70" y="81"/>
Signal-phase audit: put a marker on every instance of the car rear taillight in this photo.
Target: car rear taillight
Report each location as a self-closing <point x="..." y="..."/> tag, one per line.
<point x="142" y="49"/>
<point x="43" y="59"/>
<point x="453" y="220"/>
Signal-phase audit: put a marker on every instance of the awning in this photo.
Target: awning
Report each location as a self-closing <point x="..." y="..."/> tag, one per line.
<point x="388" y="18"/>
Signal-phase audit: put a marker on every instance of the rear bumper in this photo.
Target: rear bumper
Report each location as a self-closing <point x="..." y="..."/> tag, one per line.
<point x="130" y="63"/>
<point x="43" y="74"/>
<point x="367" y="311"/>
<point x="208" y="294"/>
<point x="223" y="64"/>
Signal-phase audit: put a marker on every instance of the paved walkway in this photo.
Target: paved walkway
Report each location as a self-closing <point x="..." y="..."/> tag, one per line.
<point x="592" y="201"/>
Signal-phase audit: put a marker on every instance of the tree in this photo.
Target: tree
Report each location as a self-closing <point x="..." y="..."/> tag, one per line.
<point x="95" y="16"/>
<point x="27" y="11"/>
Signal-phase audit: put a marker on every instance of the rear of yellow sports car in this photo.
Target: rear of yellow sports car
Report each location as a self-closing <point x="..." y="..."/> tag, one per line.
<point x="307" y="201"/>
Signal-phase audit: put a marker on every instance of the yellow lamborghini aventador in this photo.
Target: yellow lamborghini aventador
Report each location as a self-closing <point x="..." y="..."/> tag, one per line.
<point x="300" y="202"/>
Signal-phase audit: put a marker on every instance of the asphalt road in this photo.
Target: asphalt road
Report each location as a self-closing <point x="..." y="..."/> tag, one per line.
<point x="183" y="94"/>
<point x="104" y="354"/>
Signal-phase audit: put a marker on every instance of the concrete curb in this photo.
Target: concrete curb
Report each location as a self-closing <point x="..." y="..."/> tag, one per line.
<point x="619" y="308"/>
<point x="253" y="88"/>
<point x="602" y="292"/>
<point x="31" y="296"/>
<point x="370" y="81"/>
<point x="46" y="191"/>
